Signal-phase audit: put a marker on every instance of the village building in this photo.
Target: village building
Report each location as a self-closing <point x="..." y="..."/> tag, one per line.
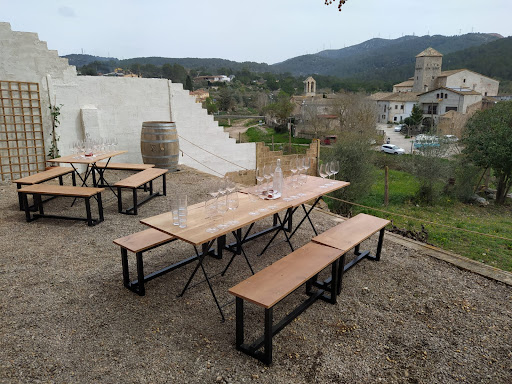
<point x="435" y="91"/>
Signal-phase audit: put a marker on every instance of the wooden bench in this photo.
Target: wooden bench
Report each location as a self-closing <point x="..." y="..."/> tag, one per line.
<point x="271" y="285"/>
<point x="134" y="182"/>
<point x="40" y="177"/>
<point x="39" y="190"/>
<point x="138" y="243"/>
<point x="102" y="166"/>
<point x="350" y="234"/>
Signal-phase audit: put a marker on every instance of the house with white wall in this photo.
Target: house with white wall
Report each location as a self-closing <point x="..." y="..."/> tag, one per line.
<point x="439" y="101"/>
<point x="462" y="88"/>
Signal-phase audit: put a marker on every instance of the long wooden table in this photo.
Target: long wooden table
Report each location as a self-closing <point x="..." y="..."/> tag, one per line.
<point x="90" y="161"/>
<point x="195" y="233"/>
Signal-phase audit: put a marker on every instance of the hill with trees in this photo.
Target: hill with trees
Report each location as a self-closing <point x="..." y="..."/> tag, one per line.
<point x="374" y="65"/>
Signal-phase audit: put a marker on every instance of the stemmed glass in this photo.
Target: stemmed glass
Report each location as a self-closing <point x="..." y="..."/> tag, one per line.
<point x="329" y="171"/>
<point x="232" y="201"/>
<point x="293" y="167"/>
<point x="230" y="185"/>
<point x="267" y="170"/>
<point x="210" y="207"/>
<point x="222" y="208"/>
<point x="222" y="188"/>
<point x="259" y="180"/>
<point x="335" y="168"/>
<point x="254" y="197"/>
<point x="323" y="173"/>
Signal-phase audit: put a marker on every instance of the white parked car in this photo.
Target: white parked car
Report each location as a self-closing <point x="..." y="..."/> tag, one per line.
<point x="398" y="128"/>
<point x="393" y="149"/>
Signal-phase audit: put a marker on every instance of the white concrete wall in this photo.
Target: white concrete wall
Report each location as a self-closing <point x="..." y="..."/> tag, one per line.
<point x="112" y="106"/>
<point x="474" y="81"/>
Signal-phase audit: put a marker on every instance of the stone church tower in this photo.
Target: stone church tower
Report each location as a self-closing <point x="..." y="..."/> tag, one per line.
<point x="428" y="67"/>
<point x="309" y="86"/>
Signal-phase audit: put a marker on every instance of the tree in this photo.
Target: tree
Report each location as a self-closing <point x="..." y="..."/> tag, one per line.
<point x="488" y="144"/>
<point x="226" y="99"/>
<point x="281" y="109"/>
<point x="340" y="3"/>
<point x="188" y="84"/>
<point x="211" y="106"/>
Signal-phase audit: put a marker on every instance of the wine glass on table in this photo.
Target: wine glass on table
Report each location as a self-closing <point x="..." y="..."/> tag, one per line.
<point x="335" y="168"/>
<point x="259" y="180"/>
<point x="210" y="207"/>
<point x="254" y="198"/>
<point x="232" y="201"/>
<point x="222" y="208"/>
<point x="230" y="185"/>
<point x="323" y="173"/>
<point x="329" y="170"/>
<point x="222" y="187"/>
<point x="267" y="170"/>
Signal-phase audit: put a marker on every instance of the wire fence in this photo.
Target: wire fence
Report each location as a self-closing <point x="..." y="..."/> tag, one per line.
<point x="349" y="202"/>
<point x="419" y="219"/>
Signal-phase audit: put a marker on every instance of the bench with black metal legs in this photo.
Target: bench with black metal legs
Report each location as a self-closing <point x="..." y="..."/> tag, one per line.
<point x="138" y="243"/>
<point x="39" y="190"/>
<point x="271" y="285"/>
<point x="101" y="167"/>
<point x="350" y="234"/>
<point x="41" y="177"/>
<point x="135" y="182"/>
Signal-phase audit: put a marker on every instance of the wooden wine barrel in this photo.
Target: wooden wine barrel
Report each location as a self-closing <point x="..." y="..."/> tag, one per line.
<point x="159" y="144"/>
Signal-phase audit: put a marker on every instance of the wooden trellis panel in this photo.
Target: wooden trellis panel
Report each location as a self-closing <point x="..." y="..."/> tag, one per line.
<point x="21" y="130"/>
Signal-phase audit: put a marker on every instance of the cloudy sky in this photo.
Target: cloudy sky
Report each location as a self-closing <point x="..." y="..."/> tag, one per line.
<point x="267" y="31"/>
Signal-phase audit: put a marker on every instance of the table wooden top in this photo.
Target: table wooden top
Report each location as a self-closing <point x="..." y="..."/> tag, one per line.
<point x="197" y="223"/>
<point x="196" y="234"/>
<point x="74" y="159"/>
<point x="347" y="234"/>
<point x="312" y="189"/>
<point x="270" y="285"/>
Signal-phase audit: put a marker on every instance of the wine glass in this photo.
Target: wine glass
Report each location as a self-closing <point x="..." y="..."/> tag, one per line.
<point x="307" y="165"/>
<point x="329" y="171"/>
<point x="232" y="201"/>
<point x="210" y="207"/>
<point x="267" y="170"/>
<point x="259" y="178"/>
<point x="323" y="173"/>
<point x="254" y="197"/>
<point x="222" y="187"/>
<point x="230" y="185"/>
<point x="335" y="168"/>
<point x="222" y="208"/>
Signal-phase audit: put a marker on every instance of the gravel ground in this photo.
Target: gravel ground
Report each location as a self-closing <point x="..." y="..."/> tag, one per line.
<point x="66" y="317"/>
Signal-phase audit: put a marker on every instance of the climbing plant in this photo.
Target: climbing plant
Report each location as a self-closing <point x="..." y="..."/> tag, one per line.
<point x="53" y="152"/>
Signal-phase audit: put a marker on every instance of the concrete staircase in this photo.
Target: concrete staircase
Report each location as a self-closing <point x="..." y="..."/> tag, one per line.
<point x="202" y="138"/>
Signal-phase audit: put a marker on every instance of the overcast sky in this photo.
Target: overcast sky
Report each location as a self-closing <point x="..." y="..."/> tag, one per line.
<point x="267" y="31"/>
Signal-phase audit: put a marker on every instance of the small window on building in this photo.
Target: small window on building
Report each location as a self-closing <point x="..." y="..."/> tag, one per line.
<point x="402" y="106"/>
<point x="417" y="77"/>
<point x="383" y="116"/>
<point x="485" y="94"/>
<point x="464" y="80"/>
<point x="445" y="95"/>
<point x="437" y="96"/>
<point x="384" y="108"/>
<point x="432" y="77"/>
<point x="447" y="109"/>
<point x="432" y="110"/>
<point x="396" y="106"/>
<point x="394" y="118"/>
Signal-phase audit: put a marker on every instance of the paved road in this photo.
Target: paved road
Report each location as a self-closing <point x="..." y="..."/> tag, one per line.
<point x="396" y="138"/>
